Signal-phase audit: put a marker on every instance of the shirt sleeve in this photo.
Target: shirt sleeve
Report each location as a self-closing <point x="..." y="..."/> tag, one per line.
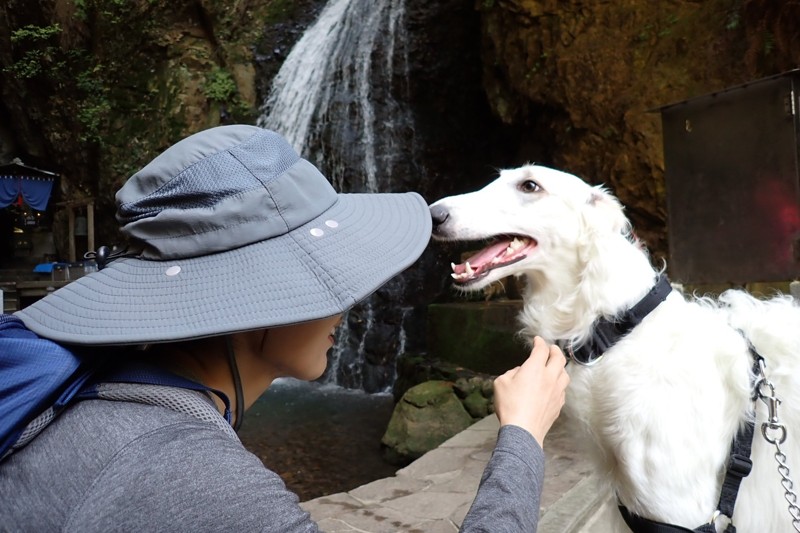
<point x="511" y="486"/>
<point x="188" y="477"/>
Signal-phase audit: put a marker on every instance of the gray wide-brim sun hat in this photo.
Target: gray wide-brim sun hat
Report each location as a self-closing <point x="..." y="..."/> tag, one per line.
<point x="234" y="231"/>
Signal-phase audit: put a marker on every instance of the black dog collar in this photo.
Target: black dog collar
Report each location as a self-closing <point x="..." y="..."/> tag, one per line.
<point x="606" y="333"/>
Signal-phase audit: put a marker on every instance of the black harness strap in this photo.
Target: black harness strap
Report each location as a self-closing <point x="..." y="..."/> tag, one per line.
<point x="645" y="525"/>
<point x="740" y="463"/>
<point x="739" y="466"/>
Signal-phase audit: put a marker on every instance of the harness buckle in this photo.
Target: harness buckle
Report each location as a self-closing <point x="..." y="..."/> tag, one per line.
<point x="740" y="465"/>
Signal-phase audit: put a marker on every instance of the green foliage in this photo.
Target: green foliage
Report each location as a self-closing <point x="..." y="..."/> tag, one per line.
<point x="113" y="10"/>
<point x="35" y="33"/>
<point x="220" y="86"/>
<point x="733" y="15"/>
<point x="734" y="20"/>
<point x="92" y="114"/>
<point x="112" y="87"/>
<point x="769" y="42"/>
<point x="37" y="54"/>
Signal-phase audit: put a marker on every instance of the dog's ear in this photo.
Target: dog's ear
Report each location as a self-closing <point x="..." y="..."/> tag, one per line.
<point x="603" y="212"/>
<point x="604" y="229"/>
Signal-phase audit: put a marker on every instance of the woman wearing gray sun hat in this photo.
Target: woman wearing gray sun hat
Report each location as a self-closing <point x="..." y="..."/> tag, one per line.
<point x="242" y="260"/>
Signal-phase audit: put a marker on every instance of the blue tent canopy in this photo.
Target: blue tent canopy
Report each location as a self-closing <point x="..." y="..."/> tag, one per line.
<point x="32" y="184"/>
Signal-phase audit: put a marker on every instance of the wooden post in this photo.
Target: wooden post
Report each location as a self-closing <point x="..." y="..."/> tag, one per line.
<point x="90" y="224"/>
<point x="71" y="232"/>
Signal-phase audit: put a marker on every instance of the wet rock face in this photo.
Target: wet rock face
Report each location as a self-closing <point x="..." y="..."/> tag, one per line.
<point x="279" y="35"/>
<point x="585" y="79"/>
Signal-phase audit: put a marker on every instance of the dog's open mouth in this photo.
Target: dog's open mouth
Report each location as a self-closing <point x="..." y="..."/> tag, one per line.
<point x="504" y="251"/>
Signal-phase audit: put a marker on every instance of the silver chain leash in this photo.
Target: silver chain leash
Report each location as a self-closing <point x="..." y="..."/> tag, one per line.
<point x="775" y="433"/>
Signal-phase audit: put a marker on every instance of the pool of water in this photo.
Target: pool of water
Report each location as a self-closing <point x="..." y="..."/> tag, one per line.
<point x="321" y="439"/>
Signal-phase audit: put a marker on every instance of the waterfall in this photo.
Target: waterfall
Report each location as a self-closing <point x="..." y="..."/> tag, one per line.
<point x="338" y="99"/>
<point x="324" y="98"/>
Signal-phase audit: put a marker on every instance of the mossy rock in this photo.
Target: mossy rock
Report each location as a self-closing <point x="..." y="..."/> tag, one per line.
<point x="427" y="415"/>
<point x="477" y="405"/>
<point x="413" y="369"/>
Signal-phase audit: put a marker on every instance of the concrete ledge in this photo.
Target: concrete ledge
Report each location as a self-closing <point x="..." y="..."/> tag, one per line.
<point x="434" y="493"/>
<point x="576" y="509"/>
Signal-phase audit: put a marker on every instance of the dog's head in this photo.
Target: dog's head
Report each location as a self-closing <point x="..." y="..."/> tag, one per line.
<point x="538" y="221"/>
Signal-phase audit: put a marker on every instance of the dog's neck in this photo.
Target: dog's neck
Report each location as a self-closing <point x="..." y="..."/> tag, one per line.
<point x="606" y="279"/>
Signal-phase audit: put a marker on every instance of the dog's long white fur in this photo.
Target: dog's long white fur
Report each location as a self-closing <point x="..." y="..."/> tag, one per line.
<point x="663" y="405"/>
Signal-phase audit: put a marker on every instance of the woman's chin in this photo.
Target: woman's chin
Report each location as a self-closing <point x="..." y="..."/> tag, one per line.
<point x="312" y="374"/>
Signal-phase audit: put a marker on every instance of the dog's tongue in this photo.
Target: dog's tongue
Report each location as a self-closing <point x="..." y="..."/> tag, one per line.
<point x="484" y="256"/>
<point x="499" y="253"/>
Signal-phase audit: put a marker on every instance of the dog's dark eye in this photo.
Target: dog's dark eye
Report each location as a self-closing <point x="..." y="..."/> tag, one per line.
<point x="529" y="186"/>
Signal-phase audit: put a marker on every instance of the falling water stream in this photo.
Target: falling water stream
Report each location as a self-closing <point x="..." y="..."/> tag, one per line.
<point x="333" y="100"/>
<point x="336" y="100"/>
<point x="327" y="88"/>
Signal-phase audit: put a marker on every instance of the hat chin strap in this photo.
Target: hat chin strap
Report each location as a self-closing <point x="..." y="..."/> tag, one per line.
<point x="237" y="383"/>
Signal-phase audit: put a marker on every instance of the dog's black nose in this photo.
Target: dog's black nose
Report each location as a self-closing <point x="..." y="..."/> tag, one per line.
<point x="439" y="215"/>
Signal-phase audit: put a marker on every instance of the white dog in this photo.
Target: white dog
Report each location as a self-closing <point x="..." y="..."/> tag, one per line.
<point x="665" y="402"/>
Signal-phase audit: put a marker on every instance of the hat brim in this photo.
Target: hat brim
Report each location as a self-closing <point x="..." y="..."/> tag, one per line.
<point x="318" y="270"/>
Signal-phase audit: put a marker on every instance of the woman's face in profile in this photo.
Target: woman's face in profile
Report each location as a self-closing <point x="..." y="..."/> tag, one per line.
<point x="300" y="350"/>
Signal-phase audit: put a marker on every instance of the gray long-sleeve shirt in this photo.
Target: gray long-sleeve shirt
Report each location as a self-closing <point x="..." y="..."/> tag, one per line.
<point x="125" y="466"/>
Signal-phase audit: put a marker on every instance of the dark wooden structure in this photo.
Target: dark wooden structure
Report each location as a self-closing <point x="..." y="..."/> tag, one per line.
<point x="733" y="183"/>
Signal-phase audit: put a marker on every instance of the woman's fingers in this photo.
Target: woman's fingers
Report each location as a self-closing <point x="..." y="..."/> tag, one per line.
<point x="531" y="395"/>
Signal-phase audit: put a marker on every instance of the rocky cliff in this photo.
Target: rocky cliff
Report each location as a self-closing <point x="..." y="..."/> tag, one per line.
<point x="582" y="80"/>
<point x="94" y="88"/>
<point x="97" y="87"/>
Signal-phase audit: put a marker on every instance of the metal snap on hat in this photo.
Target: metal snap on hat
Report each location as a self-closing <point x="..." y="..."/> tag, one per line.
<point x="234" y="231"/>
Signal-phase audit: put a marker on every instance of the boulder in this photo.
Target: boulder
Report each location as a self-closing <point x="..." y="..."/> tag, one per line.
<point x="427" y="415"/>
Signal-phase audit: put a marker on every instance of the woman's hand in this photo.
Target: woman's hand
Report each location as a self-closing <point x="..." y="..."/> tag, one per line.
<point x="531" y="395"/>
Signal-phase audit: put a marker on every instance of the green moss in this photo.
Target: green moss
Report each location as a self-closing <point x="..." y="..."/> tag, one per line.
<point x="430" y="393"/>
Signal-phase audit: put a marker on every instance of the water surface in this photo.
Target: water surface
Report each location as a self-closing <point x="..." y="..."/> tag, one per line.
<point x="321" y="439"/>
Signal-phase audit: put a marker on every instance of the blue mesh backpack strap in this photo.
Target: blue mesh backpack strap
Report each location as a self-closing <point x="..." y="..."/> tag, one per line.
<point x="40" y="378"/>
<point x="36" y="375"/>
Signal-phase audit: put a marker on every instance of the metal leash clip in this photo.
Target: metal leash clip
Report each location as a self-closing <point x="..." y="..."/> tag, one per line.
<point x="772" y="403"/>
<point x="771" y="425"/>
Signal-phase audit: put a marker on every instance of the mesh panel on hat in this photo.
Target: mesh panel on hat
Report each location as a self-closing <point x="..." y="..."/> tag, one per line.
<point x="257" y="161"/>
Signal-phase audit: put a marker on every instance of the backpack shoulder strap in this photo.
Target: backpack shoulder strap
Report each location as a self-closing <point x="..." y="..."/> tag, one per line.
<point x="39" y="378"/>
<point x="36" y="375"/>
<point x="138" y="372"/>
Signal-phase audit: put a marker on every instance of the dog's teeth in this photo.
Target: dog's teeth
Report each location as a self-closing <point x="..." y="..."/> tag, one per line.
<point x="453" y="266"/>
<point x="469" y="270"/>
<point x="510" y="250"/>
<point x="455" y="276"/>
